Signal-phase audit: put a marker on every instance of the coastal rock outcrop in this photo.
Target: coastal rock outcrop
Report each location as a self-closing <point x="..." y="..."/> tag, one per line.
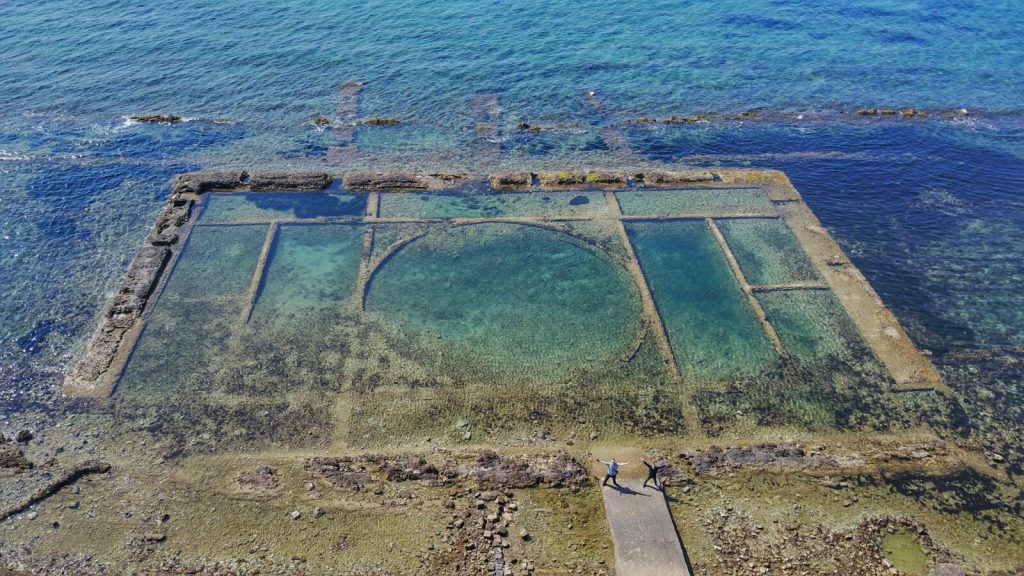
<point x="662" y="178"/>
<point x="488" y="469"/>
<point x="384" y="180"/>
<point x="157" y="118"/>
<point x="563" y="179"/>
<point x="207" y="180"/>
<point x="519" y="179"/>
<point x="271" y="181"/>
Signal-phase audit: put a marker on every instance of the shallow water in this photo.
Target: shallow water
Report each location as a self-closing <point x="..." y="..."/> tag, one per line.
<point x="309" y="268"/>
<point x="255" y="206"/>
<point x="561" y="204"/>
<point x="717" y="201"/>
<point x="197" y="310"/>
<point x="767" y="251"/>
<point x="530" y="301"/>
<point x="905" y="553"/>
<point x="711" y="327"/>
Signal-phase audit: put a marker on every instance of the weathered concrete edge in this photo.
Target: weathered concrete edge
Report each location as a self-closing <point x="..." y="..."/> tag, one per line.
<point x="774" y="182"/>
<point x="877" y="324"/>
<point x="97" y="368"/>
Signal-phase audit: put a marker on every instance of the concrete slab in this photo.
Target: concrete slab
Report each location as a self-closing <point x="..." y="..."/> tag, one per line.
<point x="644" y="535"/>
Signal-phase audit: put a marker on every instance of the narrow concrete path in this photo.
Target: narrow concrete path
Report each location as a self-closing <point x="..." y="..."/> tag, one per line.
<point x="645" y="539"/>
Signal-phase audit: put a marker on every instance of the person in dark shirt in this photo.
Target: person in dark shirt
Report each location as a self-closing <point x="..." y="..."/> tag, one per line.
<point x="652" y="473"/>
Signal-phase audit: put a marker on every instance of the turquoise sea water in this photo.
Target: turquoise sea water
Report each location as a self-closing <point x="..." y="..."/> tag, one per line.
<point x="931" y="209"/>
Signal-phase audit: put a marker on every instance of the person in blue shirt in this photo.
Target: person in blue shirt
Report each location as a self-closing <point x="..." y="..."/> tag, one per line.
<point x="613" y="471"/>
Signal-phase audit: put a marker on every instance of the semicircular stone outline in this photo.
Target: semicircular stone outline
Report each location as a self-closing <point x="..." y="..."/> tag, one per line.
<point x="628" y="351"/>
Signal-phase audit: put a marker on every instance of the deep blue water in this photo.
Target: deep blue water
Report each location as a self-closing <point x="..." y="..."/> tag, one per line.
<point x="931" y="209"/>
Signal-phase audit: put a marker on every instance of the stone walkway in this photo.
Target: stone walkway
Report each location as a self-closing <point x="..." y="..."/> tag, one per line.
<point x="644" y="535"/>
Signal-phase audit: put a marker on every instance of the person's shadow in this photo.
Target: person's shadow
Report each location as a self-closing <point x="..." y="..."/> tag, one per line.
<point x="627" y="491"/>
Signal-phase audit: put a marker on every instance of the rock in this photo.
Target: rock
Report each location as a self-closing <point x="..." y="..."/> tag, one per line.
<point x="525" y="535"/>
<point x="376" y="121"/>
<point x="946" y="569"/>
<point x="656" y="178"/>
<point x="157" y="118"/>
<point x="154" y="537"/>
<point x="867" y="112"/>
<point x="562" y="179"/>
<point x="32" y="515"/>
<point x="320" y="121"/>
<point x="557" y="470"/>
<point x="998" y="458"/>
<point x="683" y="119"/>
<point x="606" y="178"/>
<point x="13" y="457"/>
<point x="343" y="472"/>
<point x="206" y="181"/>
<point x="23" y="436"/>
<point x="165" y="238"/>
<point x="295" y="515"/>
<point x="511" y="180"/>
<point x="139" y="281"/>
<point x="318" y="512"/>
<point x="262" y="478"/>
<point x="384" y="180"/>
<point x="278" y="181"/>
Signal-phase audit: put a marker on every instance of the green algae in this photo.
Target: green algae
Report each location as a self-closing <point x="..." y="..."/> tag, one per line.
<point x="814" y="327"/>
<point x="530" y="301"/>
<point x="720" y="201"/>
<point x="310" y="267"/>
<point x="192" y="321"/>
<point x="267" y="206"/>
<point x="905" y="554"/>
<point x="473" y="205"/>
<point x="711" y="326"/>
<point x="767" y="251"/>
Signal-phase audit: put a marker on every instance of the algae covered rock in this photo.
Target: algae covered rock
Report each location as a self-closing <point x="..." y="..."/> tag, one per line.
<point x="271" y="181"/>
<point x="384" y="180"/>
<point x="520" y="179"/>
<point x="12" y="457"/>
<point x="207" y="180"/>
<point x="157" y="118"/>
